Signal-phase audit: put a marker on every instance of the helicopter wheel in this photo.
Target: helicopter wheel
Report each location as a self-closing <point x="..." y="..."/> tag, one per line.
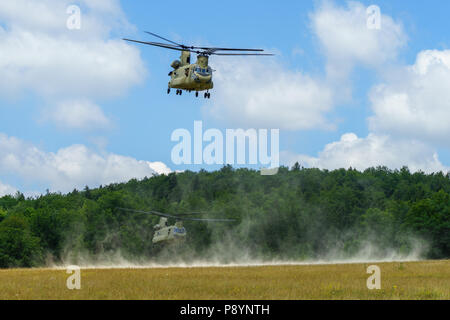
<point x="209" y="95"/>
<point x="168" y="91"/>
<point x="196" y="94"/>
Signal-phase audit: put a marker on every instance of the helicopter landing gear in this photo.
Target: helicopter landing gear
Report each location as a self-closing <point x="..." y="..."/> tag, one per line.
<point x="196" y="94"/>
<point x="207" y="95"/>
<point x="179" y="92"/>
<point x="168" y="91"/>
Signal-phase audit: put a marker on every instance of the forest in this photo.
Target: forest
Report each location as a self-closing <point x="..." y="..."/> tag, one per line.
<point x="298" y="214"/>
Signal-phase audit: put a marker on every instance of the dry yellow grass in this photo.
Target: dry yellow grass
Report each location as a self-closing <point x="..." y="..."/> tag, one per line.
<point x="412" y="280"/>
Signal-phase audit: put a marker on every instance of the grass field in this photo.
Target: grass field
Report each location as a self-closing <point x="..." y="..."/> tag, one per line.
<point x="405" y="280"/>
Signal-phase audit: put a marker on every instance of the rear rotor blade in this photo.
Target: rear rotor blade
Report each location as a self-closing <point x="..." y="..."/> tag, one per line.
<point x="231" y="49"/>
<point x="207" y="220"/>
<point x="243" y="54"/>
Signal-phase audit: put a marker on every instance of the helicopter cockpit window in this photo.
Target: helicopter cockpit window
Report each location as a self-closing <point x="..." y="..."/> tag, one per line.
<point x="203" y="71"/>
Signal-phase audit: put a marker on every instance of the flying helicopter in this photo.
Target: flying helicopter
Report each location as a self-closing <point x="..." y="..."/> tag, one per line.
<point x="172" y="233"/>
<point x="198" y="76"/>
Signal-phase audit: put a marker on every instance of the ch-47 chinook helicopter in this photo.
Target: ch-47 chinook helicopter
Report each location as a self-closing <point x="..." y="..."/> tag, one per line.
<point x="198" y="76"/>
<point x="175" y="233"/>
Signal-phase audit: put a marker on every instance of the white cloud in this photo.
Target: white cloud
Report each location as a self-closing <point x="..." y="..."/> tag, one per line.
<point x="415" y="100"/>
<point x="39" y="54"/>
<point x="81" y="114"/>
<point x="72" y="167"/>
<point x="347" y="41"/>
<point x="264" y="94"/>
<point x="373" y="151"/>
<point x="55" y="67"/>
<point x="98" y="17"/>
<point x="6" y="190"/>
<point x="159" y="167"/>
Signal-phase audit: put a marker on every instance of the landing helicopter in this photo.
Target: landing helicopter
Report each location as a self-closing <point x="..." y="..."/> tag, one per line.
<point x="175" y="233"/>
<point x="198" y="76"/>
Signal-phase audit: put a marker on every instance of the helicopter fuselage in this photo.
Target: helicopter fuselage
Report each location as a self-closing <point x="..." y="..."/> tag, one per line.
<point x="165" y="233"/>
<point x="191" y="77"/>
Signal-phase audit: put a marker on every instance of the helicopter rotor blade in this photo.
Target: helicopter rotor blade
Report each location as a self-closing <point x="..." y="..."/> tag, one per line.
<point x="243" y="54"/>
<point x="212" y="50"/>
<point x="209" y="49"/>
<point x="156" y="213"/>
<point x="173" y="42"/>
<point x="200" y="50"/>
<point x="162" y="45"/>
<point x="189" y="214"/>
<point x="206" y="219"/>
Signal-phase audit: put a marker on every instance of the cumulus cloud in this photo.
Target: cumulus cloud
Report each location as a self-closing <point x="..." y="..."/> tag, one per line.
<point x="410" y="109"/>
<point x="159" y="167"/>
<point x="38" y="53"/>
<point x="263" y="94"/>
<point x="256" y="93"/>
<point x="72" y="167"/>
<point x="55" y="67"/>
<point x="373" y="151"/>
<point x="6" y="190"/>
<point x="346" y="40"/>
<point x="415" y="100"/>
<point x="78" y="114"/>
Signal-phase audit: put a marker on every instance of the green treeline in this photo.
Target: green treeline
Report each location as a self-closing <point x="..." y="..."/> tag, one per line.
<point x="297" y="214"/>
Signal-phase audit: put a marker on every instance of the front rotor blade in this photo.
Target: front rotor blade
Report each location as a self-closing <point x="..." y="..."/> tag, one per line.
<point x="189" y="214"/>
<point x="156" y="213"/>
<point x="161" y="45"/>
<point x="155" y="35"/>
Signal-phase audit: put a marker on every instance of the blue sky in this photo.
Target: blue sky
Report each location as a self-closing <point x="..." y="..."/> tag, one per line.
<point x="124" y="118"/>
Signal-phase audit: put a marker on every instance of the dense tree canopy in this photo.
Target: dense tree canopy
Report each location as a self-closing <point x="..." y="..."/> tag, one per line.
<point x="297" y="214"/>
